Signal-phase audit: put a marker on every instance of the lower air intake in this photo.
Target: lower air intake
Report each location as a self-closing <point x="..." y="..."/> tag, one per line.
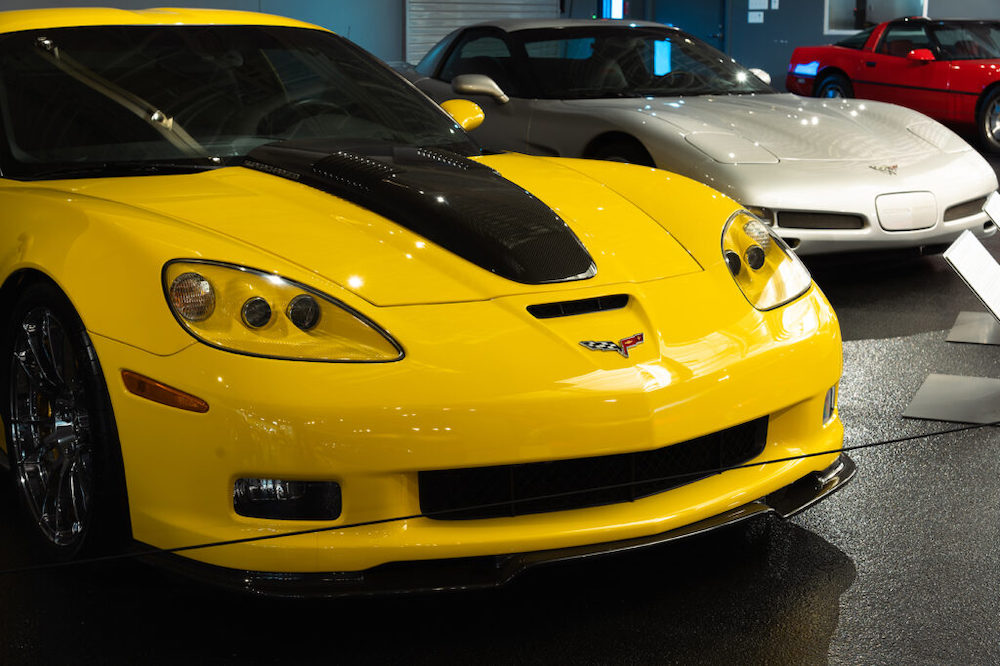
<point x="560" y="485"/>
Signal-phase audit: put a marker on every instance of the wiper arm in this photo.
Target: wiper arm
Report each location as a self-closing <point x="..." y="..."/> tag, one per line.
<point x="110" y="169"/>
<point x="140" y="107"/>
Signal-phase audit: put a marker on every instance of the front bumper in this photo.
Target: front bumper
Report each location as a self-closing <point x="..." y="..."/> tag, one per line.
<point x="955" y="183"/>
<point x="496" y="570"/>
<point x="456" y="403"/>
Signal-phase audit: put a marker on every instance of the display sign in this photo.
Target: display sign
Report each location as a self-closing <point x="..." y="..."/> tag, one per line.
<point x="978" y="268"/>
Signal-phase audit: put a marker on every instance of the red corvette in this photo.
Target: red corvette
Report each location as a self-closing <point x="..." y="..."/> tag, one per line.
<point x="949" y="70"/>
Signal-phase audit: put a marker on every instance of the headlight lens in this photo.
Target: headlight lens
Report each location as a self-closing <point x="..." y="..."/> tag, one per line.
<point x="251" y="312"/>
<point x="768" y="273"/>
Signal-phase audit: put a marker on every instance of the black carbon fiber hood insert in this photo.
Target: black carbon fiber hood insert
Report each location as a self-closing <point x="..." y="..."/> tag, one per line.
<point x="463" y="206"/>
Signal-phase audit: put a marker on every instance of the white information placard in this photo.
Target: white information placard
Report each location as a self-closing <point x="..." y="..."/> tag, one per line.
<point x="755" y="17"/>
<point x="992" y="207"/>
<point x="977" y="267"/>
<point x="757" y="4"/>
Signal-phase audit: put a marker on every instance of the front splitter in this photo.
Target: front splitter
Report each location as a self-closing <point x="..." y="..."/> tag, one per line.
<point x="492" y="570"/>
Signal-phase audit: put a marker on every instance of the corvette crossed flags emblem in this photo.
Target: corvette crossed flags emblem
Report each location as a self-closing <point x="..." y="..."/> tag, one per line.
<point x="622" y="346"/>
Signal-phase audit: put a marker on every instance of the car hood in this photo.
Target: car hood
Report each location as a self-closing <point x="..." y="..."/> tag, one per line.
<point x="789" y="127"/>
<point x="385" y="262"/>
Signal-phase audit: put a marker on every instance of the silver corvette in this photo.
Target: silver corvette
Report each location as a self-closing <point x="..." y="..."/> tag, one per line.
<point x="829" y="174"/>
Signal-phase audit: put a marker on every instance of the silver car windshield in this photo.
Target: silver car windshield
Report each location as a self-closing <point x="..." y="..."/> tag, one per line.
<point x="606" y="61"/>
<point x="107" y="101"/>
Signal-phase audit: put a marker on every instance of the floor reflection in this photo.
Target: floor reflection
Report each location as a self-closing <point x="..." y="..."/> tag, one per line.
<point x="766" y="591"/>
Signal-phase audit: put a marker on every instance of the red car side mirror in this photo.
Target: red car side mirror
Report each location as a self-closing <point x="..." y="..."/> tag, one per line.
<point x="921" y="55"/>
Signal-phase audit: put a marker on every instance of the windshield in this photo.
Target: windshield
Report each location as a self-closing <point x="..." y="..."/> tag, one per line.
<point x="77" y="101"/>
<point x="582" y="63"/>
<point x="968" y="41"/>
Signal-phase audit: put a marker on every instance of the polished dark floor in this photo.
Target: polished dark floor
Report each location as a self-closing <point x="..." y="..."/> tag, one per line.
<point x="901" y="567"/>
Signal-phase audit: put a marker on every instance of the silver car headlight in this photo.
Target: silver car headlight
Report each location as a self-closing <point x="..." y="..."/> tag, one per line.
<point x="765" y="269"/>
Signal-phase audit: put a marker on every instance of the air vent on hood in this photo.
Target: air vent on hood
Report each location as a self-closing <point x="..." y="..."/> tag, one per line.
<point x="583" y="306"/>
<point x="462" y="206"/>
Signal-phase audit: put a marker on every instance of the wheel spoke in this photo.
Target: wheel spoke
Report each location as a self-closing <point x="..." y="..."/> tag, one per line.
<point x="36" y="355"/>
<point x="49" y="510"/>
<point x="77" y="494"/>
<point x="50" y="441"/>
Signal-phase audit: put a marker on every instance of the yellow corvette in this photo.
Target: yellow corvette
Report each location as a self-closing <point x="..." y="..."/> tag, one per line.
<point x="257" y="289"/>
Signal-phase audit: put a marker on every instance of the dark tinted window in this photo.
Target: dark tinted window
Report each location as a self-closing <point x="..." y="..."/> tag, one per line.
<point x="610" y="61"/>
<point x="857" y="40"/>
<point x="429" y="62"/>
<point x="74" y="97"/>
<point x="485" y="53"/>
<point x="968" y="41"/>
<point x="899" y="40"/>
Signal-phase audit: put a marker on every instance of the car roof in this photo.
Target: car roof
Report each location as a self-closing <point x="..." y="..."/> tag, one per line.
<point x="925" y="19"/>
<point x="35" y="19"/>
<point x="514" y="25"/>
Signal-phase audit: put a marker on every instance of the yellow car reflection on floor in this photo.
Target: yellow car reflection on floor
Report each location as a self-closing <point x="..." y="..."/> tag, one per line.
<point x="255" y="284"/>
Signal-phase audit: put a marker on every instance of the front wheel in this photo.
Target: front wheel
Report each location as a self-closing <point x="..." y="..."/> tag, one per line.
<point x="834" y="85"/>
<point x="988" y="121"/>
<point x="62" y="442"/>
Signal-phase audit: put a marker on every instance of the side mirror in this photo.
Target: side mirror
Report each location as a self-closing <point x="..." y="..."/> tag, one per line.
<point x="468" y="115"/>
<point x="761" y="74"/>
<point x="920" y="55"/>
<point x="478" y="84"/>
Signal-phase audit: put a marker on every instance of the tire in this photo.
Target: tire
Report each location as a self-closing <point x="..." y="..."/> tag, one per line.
<point x="988" y="121"/>
<point x="62" y="442"/>
<point x="622" y="150"/>
<point x="834" y="85"/>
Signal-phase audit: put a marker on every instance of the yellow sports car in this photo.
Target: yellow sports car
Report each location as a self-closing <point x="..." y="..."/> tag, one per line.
<point x="260" y="293"/>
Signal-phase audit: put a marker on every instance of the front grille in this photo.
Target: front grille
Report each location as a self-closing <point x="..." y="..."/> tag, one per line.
<point x="582" y="306"/>
<point x="513" y="490"/>
<point x="801" y="220"/>
<point x="958" y="211"/>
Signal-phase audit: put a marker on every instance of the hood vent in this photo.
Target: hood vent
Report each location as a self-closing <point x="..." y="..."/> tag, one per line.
<point x="582" y="306"/>
<point x="463" y="206"/>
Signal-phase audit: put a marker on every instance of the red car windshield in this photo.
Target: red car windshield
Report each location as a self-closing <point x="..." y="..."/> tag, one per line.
<point x="967" y="41"/>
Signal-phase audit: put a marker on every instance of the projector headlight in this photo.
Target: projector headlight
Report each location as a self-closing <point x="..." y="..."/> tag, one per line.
<point x="766" y="271"/>
<point x="247" y="311"/>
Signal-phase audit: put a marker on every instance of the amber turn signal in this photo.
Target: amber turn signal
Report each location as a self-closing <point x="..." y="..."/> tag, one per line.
<point x="144" y="387"/>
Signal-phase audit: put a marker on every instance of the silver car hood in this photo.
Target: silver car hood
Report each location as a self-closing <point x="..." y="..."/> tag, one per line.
<point x="788" y="127"/>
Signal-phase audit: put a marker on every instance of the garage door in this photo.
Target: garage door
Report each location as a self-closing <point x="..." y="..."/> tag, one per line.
<point x="427" y="22"/>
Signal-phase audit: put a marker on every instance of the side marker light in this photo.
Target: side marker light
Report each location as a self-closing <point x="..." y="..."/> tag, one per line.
<point x="150" y="389"/>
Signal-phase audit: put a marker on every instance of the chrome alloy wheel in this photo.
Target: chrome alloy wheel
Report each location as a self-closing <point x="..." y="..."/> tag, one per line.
<point x="50" y="433"/>
<point x="992" y="118"/>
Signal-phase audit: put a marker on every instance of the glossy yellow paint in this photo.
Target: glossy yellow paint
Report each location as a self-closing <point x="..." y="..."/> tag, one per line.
<point x="37" y="19"/>
<point x="482" y="383"/>
<point x="466" y="113"/>
<point x="535" y="395"/>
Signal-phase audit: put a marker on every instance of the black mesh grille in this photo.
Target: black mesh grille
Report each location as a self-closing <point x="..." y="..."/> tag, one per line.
<point x="801" y="220"/>
<point x="582" y="306"/>
<point x="513" y="490"/>
<point x="958" y="211"/>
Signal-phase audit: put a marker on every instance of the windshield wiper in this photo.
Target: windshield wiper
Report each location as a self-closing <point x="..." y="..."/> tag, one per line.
<point x="116" y="169"/>
<point x="140" y="107"/>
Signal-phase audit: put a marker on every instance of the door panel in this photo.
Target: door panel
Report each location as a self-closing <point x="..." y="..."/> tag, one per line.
<point x="888" y="75"/>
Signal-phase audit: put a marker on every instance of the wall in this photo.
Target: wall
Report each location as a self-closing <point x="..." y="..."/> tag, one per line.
<point x="987" y="9"/>
<point x="376" y="25"/>
<point x="769" y="45"/>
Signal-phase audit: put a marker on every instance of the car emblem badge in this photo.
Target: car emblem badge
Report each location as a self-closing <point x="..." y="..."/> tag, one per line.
<point x="622" y="346"/>
<point x="886" y="169"/>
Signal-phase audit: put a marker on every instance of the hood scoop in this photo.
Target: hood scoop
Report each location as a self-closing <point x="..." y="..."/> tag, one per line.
<point x="457" y="203"/>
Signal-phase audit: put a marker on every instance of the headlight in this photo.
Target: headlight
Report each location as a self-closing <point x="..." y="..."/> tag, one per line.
<point x="248" y="311"/>
<point x="768" y="273"/>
